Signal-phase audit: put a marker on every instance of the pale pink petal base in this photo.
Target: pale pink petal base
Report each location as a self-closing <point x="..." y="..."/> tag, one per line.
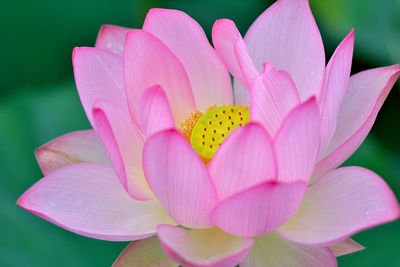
<point x="273" y="251"/>
<point x="144" y="253"/>
<point x="203" y="247"/>
<point x="340" y="204"/>
<point x="88" y="199"/>
<point x="345" y="247"/>
<point x="75" y="147"/>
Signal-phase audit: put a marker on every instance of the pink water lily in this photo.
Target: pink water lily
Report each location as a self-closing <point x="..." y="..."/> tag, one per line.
<point x="196" y="173"/>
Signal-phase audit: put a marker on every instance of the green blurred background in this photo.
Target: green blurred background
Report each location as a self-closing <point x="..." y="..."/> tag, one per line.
<point x="39" y="102"/>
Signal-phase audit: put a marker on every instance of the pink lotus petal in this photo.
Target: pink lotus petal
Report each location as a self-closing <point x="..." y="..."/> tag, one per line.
<point x="340" y="204"/>
<point x="273" y="251"/>
<point x="229" y="44"/>
<point x="144" y="253"/>
<point x="149" y="62"/>
<point x="179" y="178"/>
<point x="112" y="38"/>
<point x="203" y="247"/>
<point x="244" y="159"/>
<point x="124" y="143"/>
<point x="286" y="35"/>
<point x="241" y="95"/>
<point x="297" y="142"/>
<point x="260" y="209"/>
<point x="87" y="199"/>
<point x="75" y="147"/>
<point x="345" y="247"/>
<point x="98" y="76"/>
<point x="155" y="112"/>
<point x="245" y="62"/>
<point x="360" y="106"/>
<point x="334" y="88"/>
<point x="273" y="95"/>
<point x="210" y="80"/>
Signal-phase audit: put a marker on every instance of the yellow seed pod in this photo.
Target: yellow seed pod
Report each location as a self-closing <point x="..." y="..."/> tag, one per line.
<point x="214" y="126"/>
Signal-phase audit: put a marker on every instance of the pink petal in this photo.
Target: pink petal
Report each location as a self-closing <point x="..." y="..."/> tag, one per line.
<point x="244" y="159"/>
<point x="340" y="204"/>
<point x="112" y="38"/>
<point x="98" y="76"/>
<point x="87" y="199"/>
<point x="260" y="209"/>
<point x="155" y="112"/>
<point x="335" y="85"/>
<point x="75" y="147"/>
<point x="149" y="62"/>
<point x="360" y="106"/>
<point x="179" y="178"/>
<point x="273" y="251"/>
<point x="210" y="80"/>
<point x="203" y="247"/>
<point x="273" y="95"/>
<point x="241" y="95"/>
<point x="145" y="253"/>
<point x="345" y="247"/>
<point x="229" y="44"/>
<point x="286" y="35"/>
<point x="297" y="142"/>
<point x="124" y="143"/>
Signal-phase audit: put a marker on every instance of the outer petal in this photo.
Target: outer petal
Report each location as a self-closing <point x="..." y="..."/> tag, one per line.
<point x="245" y="159"/>
<point x="155" y="113"/>
<point x="87" y="199"/>
<point x="112" y="38"/>
<point x="210" y="81"/>
<point x="360" y="106"/>
<point x="273" y="95"/>
<point x="260" y="209"/>
<point x="75" y="147"/>
<point x="286" y="35"/>
<point x="273" y="251"/>
<point x="335" y="85"/>
<point x="340" y="204"/>
<point x="179" y="178"/>
<point x="124" y="144"/>
<point x="149" y="62"/>
<point x="345" y="247"/>
<point x="230" y="45"/>
<point x="203" y="247"/>
<point x="146" y="253"/>
<point x="98" y="76"/>
<point x="297" y="142"/>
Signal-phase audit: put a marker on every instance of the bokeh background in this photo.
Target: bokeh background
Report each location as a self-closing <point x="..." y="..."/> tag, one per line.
<point x="38" y="102"/>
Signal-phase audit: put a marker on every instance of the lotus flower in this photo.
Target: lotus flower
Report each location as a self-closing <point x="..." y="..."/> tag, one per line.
<point x="196" y="173"/>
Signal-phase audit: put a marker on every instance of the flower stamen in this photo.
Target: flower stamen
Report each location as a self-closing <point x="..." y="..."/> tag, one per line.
<point x="207" y="131"/>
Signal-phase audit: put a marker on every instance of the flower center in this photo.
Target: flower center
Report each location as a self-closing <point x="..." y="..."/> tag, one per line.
<point x="206" y="131"/>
